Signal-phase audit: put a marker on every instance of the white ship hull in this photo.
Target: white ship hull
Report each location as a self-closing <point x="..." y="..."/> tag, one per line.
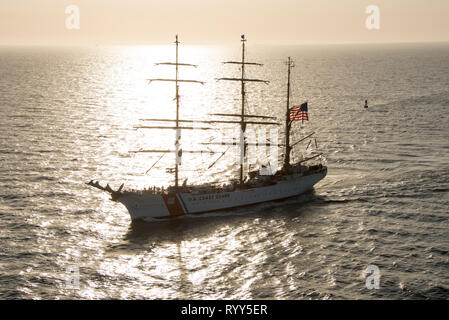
<point x="147" y="205"/>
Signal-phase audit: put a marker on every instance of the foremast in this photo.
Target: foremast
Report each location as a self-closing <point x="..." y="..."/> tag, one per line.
<point x="178" y="150"/>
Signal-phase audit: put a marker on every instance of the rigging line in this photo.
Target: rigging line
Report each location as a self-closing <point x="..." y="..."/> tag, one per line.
<point x="307" y="159"/>
<point x="210" y="121"/>
<point x="308" y="144"/>
<point x="239" y="62"/>
<point x="239" y="115"/>
<point x="218" y="158"/>
<point x="243" y="80"/>
<point x="174" y="64"/>
<point x="174" y="80"/>
<point x="167" y="127"/>
<point x="155" y="163"/>
<point x="294" y="144"/>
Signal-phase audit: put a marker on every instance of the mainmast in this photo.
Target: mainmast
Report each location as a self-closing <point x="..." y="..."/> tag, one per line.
<point x="243" y="122"/>
<point x="242" y="119"/>
<point x="178" y="130"/>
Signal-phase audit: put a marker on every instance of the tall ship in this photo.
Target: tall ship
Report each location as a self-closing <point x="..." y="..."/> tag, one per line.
<point x="250" y="187"/>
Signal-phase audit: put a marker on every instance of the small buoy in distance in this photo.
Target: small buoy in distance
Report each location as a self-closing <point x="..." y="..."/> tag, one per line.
<point x="366" y="103"/>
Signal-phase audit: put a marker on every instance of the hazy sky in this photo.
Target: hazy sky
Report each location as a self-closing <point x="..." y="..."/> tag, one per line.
<point x="222" y="21"/>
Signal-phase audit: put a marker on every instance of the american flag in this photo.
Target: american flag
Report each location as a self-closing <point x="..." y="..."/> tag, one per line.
<point x="299" y="113"/>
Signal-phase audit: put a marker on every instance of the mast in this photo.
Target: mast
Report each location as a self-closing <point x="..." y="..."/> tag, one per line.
<point x="178" y="130"/>
<point x="178" y="150"/>
<point x="288" y="123"/>
<point x="243" y="122"/>
<point x="242" y="119"/>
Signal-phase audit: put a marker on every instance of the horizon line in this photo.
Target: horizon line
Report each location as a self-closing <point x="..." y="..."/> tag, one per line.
<point x="218" y="45"/>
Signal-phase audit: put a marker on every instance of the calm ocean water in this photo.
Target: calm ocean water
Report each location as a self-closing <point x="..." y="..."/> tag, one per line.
<point x="67" y="116"/>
